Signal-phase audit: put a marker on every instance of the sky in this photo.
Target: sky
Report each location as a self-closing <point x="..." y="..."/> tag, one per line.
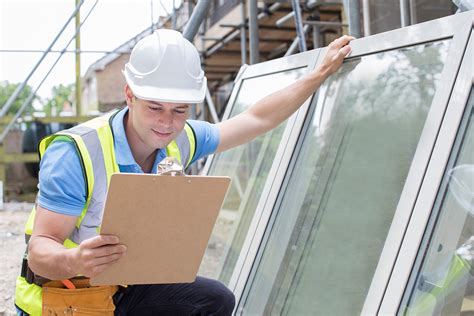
<point x="33" y="24"/>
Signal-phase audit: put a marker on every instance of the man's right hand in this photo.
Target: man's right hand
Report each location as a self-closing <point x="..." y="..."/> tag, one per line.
<point x="48" y="257"/>
<point x="94" y="255"/>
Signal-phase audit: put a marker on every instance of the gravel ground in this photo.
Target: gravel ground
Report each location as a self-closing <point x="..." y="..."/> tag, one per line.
<point x="13" y="217"/>
<point x="211" y="262"/>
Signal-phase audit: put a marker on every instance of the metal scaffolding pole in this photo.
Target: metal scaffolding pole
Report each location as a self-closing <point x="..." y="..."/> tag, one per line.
<point x="195" y="21"/>
<point x="221" y="43"/>
<point x="151" y="15"/>
<point x="199" y="13"/>
<point x="32" y="94"/>
<point x="294" y="46"/>
<point x="190" y="9"/>
<point x="299" y="25"/>
<point x="405" y="12"/>
<point x="78" y="63"/>
<point x="174" y="12"/>
<point x="17" y="91"/>
<point x="212" y="108"/>
<point x="282" y="21"/>
<point x="413" y="19"/>
<point x="353" y="13"/>
<point x="243" y="37"/>
<point x="190" y="12"/>
<point x="366" y="17"/>
<point x="316" y="36"/>
<point x="253" y="32"/>
<point x="325" y="23"/>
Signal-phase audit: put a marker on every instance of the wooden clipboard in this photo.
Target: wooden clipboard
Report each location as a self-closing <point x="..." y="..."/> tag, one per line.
<point x="165" y="222"/>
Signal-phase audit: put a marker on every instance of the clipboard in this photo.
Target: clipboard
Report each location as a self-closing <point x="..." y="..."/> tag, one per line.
<point x="165" y="222"/>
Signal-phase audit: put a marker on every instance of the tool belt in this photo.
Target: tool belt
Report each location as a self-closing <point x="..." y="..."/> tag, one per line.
<point x="82" y="299"/>
<point x="30" y="276"/>
<point x="72" y="297"/>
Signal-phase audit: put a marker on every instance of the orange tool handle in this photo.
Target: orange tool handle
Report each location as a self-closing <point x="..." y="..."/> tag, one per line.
<point x="67" y="283"/>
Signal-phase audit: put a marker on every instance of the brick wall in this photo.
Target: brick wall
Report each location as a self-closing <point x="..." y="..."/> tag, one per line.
<point x="110" y="84"/>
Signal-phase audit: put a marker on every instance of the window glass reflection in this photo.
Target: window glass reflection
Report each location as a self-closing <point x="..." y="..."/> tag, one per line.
<point x="445" y="283"/>
<point x="248" y="166"/>
<point x="325" y="237"/>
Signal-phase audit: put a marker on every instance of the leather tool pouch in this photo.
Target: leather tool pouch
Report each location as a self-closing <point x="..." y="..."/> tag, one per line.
<point x="83" y="300"/>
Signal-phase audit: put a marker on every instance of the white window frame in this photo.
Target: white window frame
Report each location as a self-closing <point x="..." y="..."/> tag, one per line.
<point x="428" y="193"/>
<point x="457" y="28"/>
<point x="306" y="59"/>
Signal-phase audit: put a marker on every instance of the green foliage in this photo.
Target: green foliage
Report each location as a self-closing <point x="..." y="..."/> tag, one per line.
<point x="7" y="89"/>
<point x="61" y="95"/>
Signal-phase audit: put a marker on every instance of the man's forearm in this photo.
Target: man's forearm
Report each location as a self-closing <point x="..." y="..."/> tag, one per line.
<point x="277" y="107"/>
<point x="50" y="259"/>
<point x="269" y="112"/>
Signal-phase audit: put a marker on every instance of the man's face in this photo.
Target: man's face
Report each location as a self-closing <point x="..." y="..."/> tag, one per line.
<point x="157" y="123"/>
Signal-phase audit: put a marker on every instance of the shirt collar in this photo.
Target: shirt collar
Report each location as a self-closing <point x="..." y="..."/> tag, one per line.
<point x="123" y="154"/>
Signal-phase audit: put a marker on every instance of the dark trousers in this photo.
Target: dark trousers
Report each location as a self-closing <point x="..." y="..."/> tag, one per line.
<point x="202" y="297"/>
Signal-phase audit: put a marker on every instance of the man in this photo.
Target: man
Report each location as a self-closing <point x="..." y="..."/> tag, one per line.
<point x="164" y="78"/>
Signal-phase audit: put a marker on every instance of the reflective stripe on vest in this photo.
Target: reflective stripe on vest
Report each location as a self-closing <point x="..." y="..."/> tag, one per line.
<point x="183" y="146"/>
<point x="456" y="277"/>
<point x="95" y="145"/>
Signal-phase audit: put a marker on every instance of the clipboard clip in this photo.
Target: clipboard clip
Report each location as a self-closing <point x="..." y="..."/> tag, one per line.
<point x="170" y="166"/>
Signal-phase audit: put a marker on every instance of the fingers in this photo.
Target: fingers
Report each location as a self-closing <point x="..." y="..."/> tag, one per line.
<point x="95" y="254"/>
<point x="92" y="263"/>
<point x="100" y="240"/>
<point x="109" y="250"/>
<point x="98" y="269"/>
<point x="108" y="259"/>
<point x="337" y="51"/>
<point x="341" y="41"/>
<point x="344" y="52"/>
<point x="101" y="246"/>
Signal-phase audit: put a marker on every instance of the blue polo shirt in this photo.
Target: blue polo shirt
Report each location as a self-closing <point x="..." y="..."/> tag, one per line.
<point x="61" y="178"/>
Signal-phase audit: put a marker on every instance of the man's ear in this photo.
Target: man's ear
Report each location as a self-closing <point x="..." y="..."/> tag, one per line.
<point x="128" y="95"/>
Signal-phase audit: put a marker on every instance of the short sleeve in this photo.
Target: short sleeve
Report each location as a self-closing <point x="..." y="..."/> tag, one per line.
<point x="61" y="180"/>
<point x="207" y="138"/>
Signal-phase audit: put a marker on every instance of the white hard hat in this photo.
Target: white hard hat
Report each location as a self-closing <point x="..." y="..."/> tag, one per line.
<point x="166" y="67"/>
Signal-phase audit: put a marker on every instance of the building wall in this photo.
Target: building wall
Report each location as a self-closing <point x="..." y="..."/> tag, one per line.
<point x="18" y="180"/>
<point x="90" y="102"/>
<point x="385" y="14"/>
<point x="221" y="8"/>
<point x="110" y="84"/>
<point x="427" y="10"/>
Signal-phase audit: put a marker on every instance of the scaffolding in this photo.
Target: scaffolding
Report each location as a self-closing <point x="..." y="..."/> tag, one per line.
<point x="229" y="34"/>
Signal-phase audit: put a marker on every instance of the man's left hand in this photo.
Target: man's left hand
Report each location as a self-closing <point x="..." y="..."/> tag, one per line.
<point x="335" y="54"/>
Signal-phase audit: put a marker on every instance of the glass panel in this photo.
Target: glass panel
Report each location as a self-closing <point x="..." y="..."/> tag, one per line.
<point x="445" y="283"/>
<point x="423" y="10"/>
<point x="325" y="236"/>
<point x="248" y="165"/>
<point x="382" y="17"/>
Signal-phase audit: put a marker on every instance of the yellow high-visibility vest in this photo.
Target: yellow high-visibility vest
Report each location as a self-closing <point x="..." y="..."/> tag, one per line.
<point x="94" y="143"/>
<point x="426" y="303"/>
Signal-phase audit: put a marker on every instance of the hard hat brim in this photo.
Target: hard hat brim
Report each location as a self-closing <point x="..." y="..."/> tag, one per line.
<point x="171" y="95"/>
